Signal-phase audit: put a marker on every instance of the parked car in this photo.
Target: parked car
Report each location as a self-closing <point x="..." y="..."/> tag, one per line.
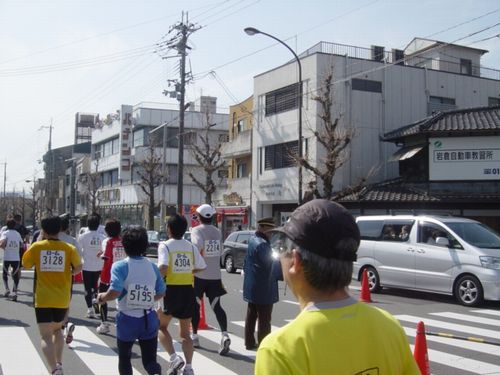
<point x="448" y="255"/>
<point x="234" y="250"/>
<point x="155" y="237"/>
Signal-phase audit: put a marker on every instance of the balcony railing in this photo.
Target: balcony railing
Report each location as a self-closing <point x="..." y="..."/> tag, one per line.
<point x="240" y="145"/>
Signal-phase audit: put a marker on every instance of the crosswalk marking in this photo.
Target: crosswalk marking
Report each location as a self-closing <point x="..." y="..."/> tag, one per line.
<point x="469" y="345"/>
<point x="468" y="318"/>
<point x="241" y="323"/>
<point x="451" y="326"/>
<point x="10" y="359"/>
<point x="464" y="364"/>
<point x="95" y="353"/>
<point x="488" y="312"/>
<point x="237" y="343"/>
<point x="290" y="302"/>
<point x="201" y="364"/>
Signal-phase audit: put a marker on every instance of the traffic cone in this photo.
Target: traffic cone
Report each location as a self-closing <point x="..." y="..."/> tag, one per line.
<point x="420" y="351"/>
<point x="77" y="279"/>
<point x="365" y="295"/>
<point x="203" y="322"/>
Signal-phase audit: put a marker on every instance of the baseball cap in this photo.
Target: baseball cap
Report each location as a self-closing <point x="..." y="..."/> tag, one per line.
<point x="206" y="211"/>
<point x="324" y="228"/>
<point x="267" y="221"/>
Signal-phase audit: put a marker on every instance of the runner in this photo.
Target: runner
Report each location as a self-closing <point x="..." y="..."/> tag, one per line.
<point x="68" y="327"/>
<point x="207" y="238"/>
<point x="178" y="259"/>
<point x="12" y="243"/>
<point x="54" y="262"/>
<point x="113" y="252"/>
<point x="90" y="243"/>
<point x="137" y="284"/>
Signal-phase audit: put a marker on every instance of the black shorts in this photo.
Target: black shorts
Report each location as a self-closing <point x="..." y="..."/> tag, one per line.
<point x="49" y="315"/>
<point x="211" y="288"/>
<point x="179" y="301"/>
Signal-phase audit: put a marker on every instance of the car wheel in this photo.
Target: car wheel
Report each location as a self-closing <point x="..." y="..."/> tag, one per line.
<point x="373" y="280"/>
<point x="469" y="291"/>
<point x="229" y="264"/>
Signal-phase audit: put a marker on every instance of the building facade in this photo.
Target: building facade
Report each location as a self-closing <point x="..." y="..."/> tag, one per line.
<point x="374" y="92"/>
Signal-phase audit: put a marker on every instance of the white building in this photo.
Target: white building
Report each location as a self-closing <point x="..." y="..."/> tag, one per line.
<point x="122" y="140"/>
<point x="374" y="92"/>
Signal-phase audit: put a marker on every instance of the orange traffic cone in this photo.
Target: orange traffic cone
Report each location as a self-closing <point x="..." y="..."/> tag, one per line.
<point x="365" y="295"/>
<point x="77" y="279"/>
<point x="203" y="322"/>
<point x="420" y="351"/>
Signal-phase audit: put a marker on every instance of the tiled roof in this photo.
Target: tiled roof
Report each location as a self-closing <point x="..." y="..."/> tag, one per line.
<point x="465" y="121"/>
<point x="397" y="191"/>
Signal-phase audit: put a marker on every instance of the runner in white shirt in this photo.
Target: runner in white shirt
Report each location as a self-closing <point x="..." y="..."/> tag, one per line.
<point x="90" y="243"/>
<point x="11" y="242"/>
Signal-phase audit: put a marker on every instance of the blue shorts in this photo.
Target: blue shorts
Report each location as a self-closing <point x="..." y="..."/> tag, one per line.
<point x="129" y="328"/>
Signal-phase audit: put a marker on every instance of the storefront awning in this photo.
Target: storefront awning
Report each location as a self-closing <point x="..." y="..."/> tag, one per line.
<point x="406" y="153"/>
<point x="231" y="210"/>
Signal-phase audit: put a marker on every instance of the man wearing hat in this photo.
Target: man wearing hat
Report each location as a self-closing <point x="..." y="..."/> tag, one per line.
<point x="260" y="287"/>
<point x="317" y="247"/>
<point x="207" y="238"/>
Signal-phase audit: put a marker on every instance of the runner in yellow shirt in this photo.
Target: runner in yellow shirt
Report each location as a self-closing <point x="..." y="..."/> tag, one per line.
<point x="333" y="333"/>
<point x="55" y="261"/>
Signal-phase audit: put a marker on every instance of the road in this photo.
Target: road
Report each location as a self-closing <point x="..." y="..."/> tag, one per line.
<point x="96" y="354"/>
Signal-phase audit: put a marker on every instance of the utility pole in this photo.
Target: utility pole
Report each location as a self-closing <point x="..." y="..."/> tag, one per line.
<point x="179" y="43"/>
<point x="50" y="174"/>
<point x="4" y="177"/>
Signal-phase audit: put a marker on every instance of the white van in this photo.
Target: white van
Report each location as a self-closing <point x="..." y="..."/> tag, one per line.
<point x="441" y="254"/>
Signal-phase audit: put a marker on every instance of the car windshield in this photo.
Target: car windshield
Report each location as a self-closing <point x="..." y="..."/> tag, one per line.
<point x="153" y="236"/>
<point x="477" y="234"/>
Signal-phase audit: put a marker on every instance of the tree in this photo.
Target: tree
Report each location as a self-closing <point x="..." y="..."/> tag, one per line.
<point x="333" y="139"/>
<point x="208" y="155"/>
<point x="150" y="173"/>
<point x="92" y="182"/>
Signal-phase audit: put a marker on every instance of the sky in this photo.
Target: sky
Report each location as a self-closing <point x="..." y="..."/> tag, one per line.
<point x="59" y="57"/>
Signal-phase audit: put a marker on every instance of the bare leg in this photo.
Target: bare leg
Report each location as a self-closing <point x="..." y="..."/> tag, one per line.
<point x="52" y="342"/>
<point x="187" y="343"/>
<point x="163" y="334"/>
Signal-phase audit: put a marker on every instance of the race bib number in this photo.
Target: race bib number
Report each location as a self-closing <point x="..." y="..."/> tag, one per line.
<point x="212" y="248"/>
<point x="140" y="296"/>
<point x="118" y="254"/>
<point x="52" y="260"/>
<point x="182" y="263"/>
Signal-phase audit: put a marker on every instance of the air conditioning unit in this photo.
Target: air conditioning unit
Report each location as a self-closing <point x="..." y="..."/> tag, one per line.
<point x="378" y="53"/>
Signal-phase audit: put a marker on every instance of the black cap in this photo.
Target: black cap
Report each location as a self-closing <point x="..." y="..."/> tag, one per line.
<point x="322" y="227"/>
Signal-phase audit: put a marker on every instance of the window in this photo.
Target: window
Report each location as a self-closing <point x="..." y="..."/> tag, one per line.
<point x="493" y="101"/>
<point x="223" y="138"/>
<point x="282" y="100"/>
<point x="107" y="150"/>
<point x="68" y="179"/>
<point x="190" y="138"/>
<point x="114" y="177"/>
<point x="241" y="170"/>
<point x="441" y="100"/>
<point x="281" y="155"/>
<point x="115" y="146"/>
<point x="171" y="173"/>
<point x="222" y="173"/>
<point x="439" y="103"/>
<point x="243" y="238"/>
<point x="370" y="229"/>
<point x="366" y="85"/>
<point x="138" y="137"/>
<point x="465" y="66"/>
<point x="397" y="230"/>
<point x="241" y="125"/>
<point x="429" y="232"/>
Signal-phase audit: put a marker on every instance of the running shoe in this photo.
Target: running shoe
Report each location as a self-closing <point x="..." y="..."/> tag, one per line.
<point x="175" y="366"/>
<point x="196" y="340"/>
<point x="70" y="328"/>
<point x="7" y="293"/>
<point x="103" y="328"/>
<point x="13" y="297"/>
<point x="224" y="344"/>
<point x="90" y="313"/>
<point x="58" y="370"/>
<point x="188" y="371"/>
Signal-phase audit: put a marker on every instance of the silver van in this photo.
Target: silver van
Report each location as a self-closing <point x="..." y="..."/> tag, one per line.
<point x="441" y="254"/>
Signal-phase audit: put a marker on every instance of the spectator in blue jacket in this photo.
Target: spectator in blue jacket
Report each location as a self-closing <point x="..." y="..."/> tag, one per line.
<point x="260" y="286"/>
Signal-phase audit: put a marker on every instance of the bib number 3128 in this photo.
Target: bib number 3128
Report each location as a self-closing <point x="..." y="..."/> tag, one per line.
<point x="52" y="260"/>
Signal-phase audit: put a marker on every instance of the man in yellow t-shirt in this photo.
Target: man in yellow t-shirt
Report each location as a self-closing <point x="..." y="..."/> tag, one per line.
<point x="333" y="333"/>
<point x="55" y="261"/>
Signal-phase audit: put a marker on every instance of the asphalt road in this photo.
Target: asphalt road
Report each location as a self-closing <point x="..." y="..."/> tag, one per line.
<point x="95" y="354"/>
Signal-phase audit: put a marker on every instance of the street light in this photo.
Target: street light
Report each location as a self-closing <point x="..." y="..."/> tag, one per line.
<point x="252" y="31"/>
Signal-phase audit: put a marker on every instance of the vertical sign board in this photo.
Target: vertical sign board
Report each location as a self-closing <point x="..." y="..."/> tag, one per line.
<point x="124" y="172"/>
<point x="464" y="158"/>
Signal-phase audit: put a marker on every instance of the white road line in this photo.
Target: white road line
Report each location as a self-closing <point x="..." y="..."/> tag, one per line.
<point x="18" y="355"/>
<point x="469" y="345"/>
<point x="464" y="364"/>
<point x="352" y="287"/>
<point x="290" y="302"/>
<point x="95" y="353"/>
<point x="451" y="326"/>
<point x="201" y="364"/>
<point x="468" y="318"/>
<point x="241" y="323"/>
<point x="488" y="312"/>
